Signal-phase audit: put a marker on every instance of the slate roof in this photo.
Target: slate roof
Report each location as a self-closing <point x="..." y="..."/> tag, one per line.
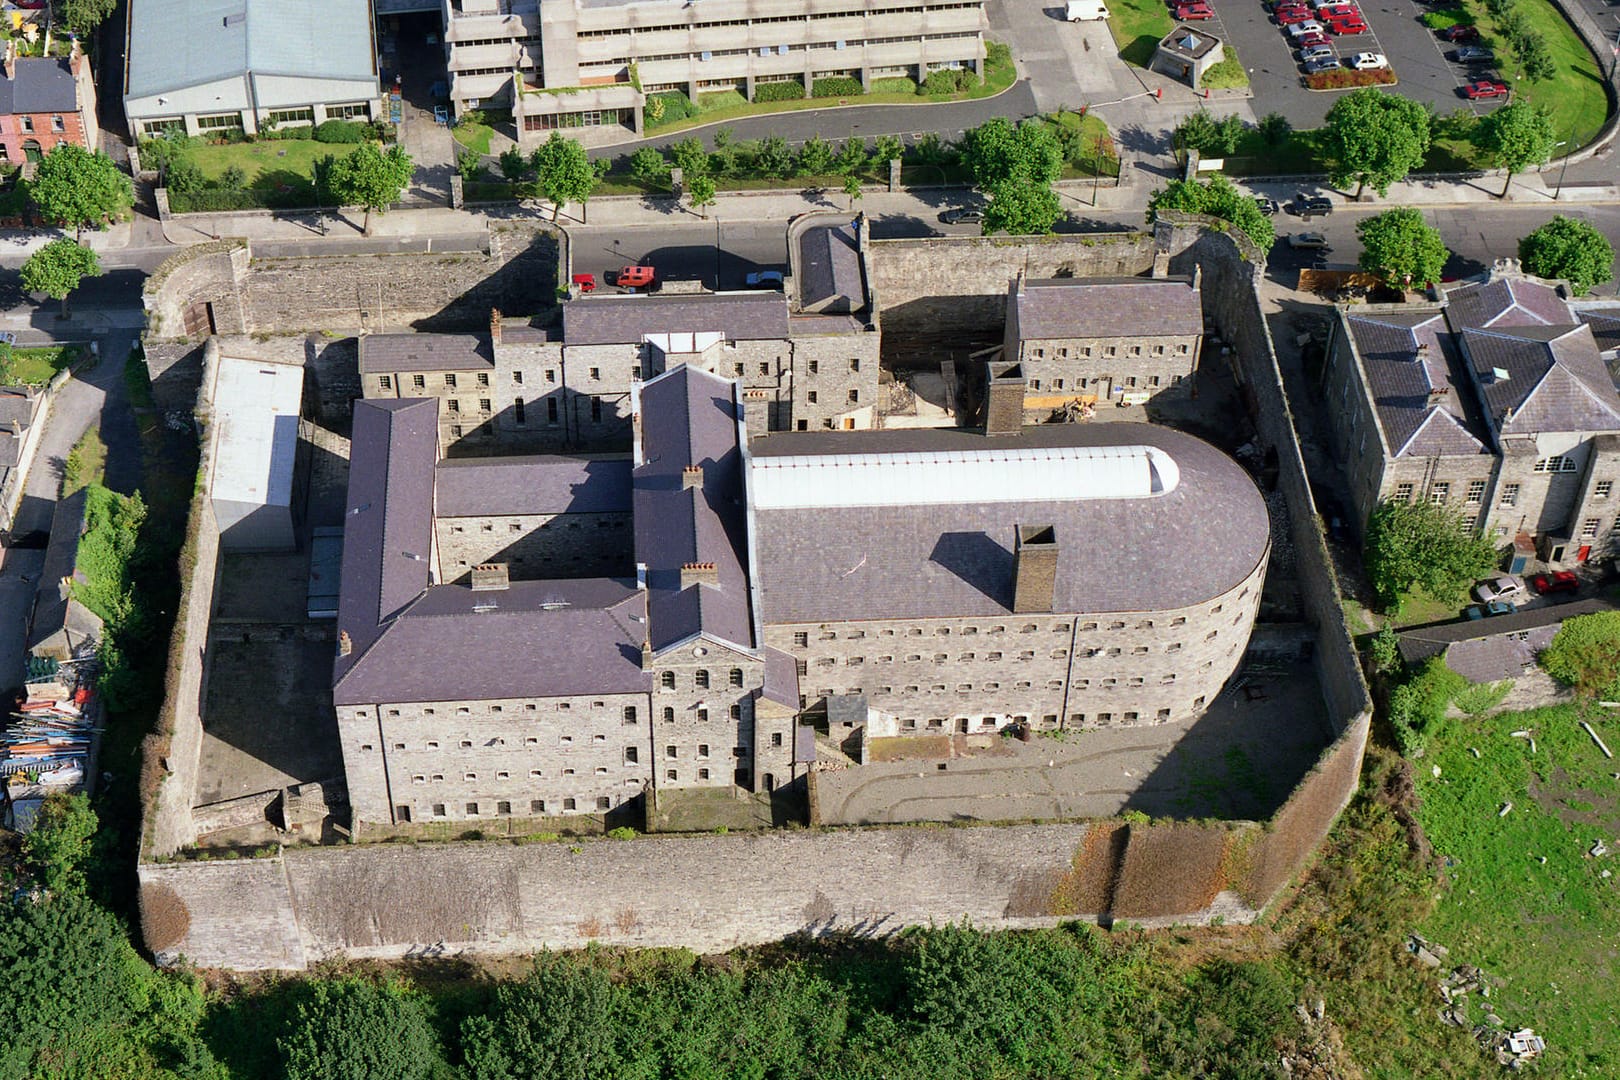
<point x="181" y="43"/>
<point x="1605" y="325"/>
<point x="830" y="266"/>
<point x="925" y="561"/>
<point x="60" y="622"/>
<point x="618" y="320"/>
<point x="781" y="679"/>
<point x="41" y="85"/>
<point x="17" y="407"/>
<point x="1488" y="650"/>
<point x="1556" y="381"/>
<point x="1505" y="301"/>
<point x="388" y="520"/>
<point x="532" y="639"/>
<point x="1108" y="307"/>
<point x="386" y="353"/>
<point x="689" y="417"/>
<point x="544" y="484"/>
<point x="1405" y="355"/>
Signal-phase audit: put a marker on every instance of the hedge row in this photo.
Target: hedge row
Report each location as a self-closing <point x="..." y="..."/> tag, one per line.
<point x="792" y="90"/>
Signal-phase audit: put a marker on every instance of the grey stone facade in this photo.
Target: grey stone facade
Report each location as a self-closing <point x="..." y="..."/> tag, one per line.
<point x="535" y="546"/>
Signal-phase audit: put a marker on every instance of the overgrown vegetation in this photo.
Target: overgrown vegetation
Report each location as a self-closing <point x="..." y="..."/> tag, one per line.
<point x="1417" y="705"/>
<point x="1217" y="197"/>
<point x="1423" y="547"/>
<point x="85" y="462"/>
<point x="1585" y="655"/>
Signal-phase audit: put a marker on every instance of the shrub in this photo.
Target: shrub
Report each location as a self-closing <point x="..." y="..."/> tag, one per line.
<point x="339" y="131"/>
<point x="1418" y="706"/>
<point x="623" y="832"/>
<point x="350" y="1030"/>
<point x="1585" y="654"/>
<point x="182" y="176"/>
<point x="793" y="90"/>
<point x="837" y="87"/>
<point x="216" y="200"/>
<point x="1343" y="79"/>
<point x="942" y="82"/>
<point x="1482" y="697"/>
<point x="669" y="107"/>
<point x="233" y="178"/>
<point x="1275" y="129"/>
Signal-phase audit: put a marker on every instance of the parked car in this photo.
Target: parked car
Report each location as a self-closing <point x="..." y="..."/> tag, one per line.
<point x="1287" y="15"/>
<point x="1460" y="34"/>
<point x="1311" y="241"/>
<point x="1300" y="29"/>
<point x="961" y="215"/>
<point x="1472" y="54"/>
<point x="1338" y="11"/>
<point x="1369" y="61"/>
<point x="1485" y="88"/>
<point x="1485" y="611"/>
<point x="1194" y="12"/>
<point x="1316" y="52"/>
<point x="634" y="277"/>
<point x="1321" y="64"/>
<point x="765" y="279"/>
<point x="1307" y="206"/>
<point x="1507" y="588"/>
<point x="1556" y="582"/>
<point x="1267" y="206"/>
<point x="586" y="282"/>
<point x="1351" y="25"/>
<point x="1315" y="37"/>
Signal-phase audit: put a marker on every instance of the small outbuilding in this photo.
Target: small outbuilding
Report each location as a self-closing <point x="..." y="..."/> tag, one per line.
<point x="256" y="407"/>
<point x="1186" y="54"/>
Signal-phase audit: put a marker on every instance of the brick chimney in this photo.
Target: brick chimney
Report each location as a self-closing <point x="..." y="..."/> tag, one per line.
<point x="495" y="326"/>
<point x="1035" y="564"/>
<point x="1004" y="399"/>
<point x="11" y="59"/>
<point x="490" y="577"/>
<point x="76" y="59"/>
<point x="699" y="573"/>
<point x="646" y="654"/>
<point x="691" y="477"/>
<point x="345" y="643"/>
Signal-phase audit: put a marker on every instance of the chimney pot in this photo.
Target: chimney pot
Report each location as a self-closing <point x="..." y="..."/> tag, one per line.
<point x="345" y="643"/>
<point x="699" y="573"/>
<point x="490" y="577"/>
<point x="691" y="477"/>
<point x="1035" y="566"/>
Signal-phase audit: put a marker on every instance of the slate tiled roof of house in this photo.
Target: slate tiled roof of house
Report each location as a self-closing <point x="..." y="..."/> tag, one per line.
<point x="1505" y="301"/>
<point x="1108" y="307"/>
<point x="781" y="679"/>
<point x="689" y="418"/>
<point x="41" y="85"/>
<point x="424" y="352"/>
<point x="60" y="622"/>
<point x="1407" y="355"/>
<point x="17" y="407"/>
<point x="1500" y="647"/>
<point x="1555" y="379"/>
<point x="1605" y="325"/>
<point x="614" y="320"/>
<point x="1163" y="551"/>
<point x="830" y="266"/>
<point x="388" y="523"/>
<point x="540" y="484"/>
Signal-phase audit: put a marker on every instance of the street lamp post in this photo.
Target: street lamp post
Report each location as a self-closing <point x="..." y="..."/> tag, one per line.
<point x="1559" y="190"/>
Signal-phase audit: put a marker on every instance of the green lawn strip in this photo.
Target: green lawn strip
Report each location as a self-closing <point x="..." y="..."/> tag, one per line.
<point x="1226" y="75"/>
<point x="1138" y="26"/>
<point x="85" y="463"/>
<point x="1439" y="20"/>
<point x="1574" y="97"/>
<point x="34" y="367"/>
<point x="473" y="136"/>
<point x="269" y="164"/>
<point x="1547" y="930"/>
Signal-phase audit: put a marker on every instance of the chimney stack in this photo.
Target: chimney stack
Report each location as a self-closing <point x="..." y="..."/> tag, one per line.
<point x="1004" y="399"/>
<point x="699" y="573"/>
<point x="490" y="577"/>
<point x="345" y="643"/>
<point x="76" y="58"/>
<point x="691" y="477"/>
<point x="646" y="653"/>
<point x="1035" y="564"/>
<point x="11" y="59"/>
<point x="495" y="326"/>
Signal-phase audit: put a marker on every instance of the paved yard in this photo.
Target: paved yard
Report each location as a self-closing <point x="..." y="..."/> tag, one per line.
<point x="1239" y="760"/>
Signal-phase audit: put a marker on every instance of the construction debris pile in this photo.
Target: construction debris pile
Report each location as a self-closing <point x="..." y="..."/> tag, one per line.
<point x="46" y="744"/>
<point x="1512" y="1049"/>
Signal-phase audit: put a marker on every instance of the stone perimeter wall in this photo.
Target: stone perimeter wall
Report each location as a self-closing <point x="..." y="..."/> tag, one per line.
<point x="715" y="892"/>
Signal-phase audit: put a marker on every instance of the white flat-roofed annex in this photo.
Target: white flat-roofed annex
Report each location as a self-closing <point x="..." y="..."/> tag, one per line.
<point x="256" y="405"/>
<point x="1028" y="475"/>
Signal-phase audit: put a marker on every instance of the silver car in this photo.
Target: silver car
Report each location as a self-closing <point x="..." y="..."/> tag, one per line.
<point x="1321" y="63"/>
<point x="1315" y="52"/>
<point x="1508" y="588"/>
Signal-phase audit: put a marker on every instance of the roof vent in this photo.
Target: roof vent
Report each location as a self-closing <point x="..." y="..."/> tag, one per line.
<point x="484" y="607"/>
<point x="1499" y="374"/>
<point x="554" y="605"/>
<point x="236" y="19"/>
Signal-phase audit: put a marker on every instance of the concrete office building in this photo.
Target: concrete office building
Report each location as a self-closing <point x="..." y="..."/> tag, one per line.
<point x="1496" y="400"/>
<point x="210" y="67"/>
<point x="590" y="63"/>
<point x="925" y="579"/>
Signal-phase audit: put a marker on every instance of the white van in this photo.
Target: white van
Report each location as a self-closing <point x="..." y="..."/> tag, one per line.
<point x="1086" y="10"/>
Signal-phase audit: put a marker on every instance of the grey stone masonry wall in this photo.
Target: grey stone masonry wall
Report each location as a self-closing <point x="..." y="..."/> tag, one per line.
<point x="835" y="381"/>
<point x="536" y="546"/>
<point x="241" y="913"/>
<point x="465" y="760"/>
<point x="703" y="716"/>
<point x="1101" y="367"/>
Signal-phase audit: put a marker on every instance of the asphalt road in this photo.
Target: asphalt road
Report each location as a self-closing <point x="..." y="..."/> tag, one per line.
<point x="720" y="254"/>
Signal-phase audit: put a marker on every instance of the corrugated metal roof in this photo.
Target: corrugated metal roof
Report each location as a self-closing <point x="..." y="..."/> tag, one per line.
<point x="256" y="408"/>
<point x="966" y="476"/>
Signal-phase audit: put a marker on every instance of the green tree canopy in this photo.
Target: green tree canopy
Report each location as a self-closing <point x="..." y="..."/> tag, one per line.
<point x="701" y="191"/>
<point x="370" y="177"/>
<point x="566" y="175"/>
<point x="57" y="268"/>
<point x="1021" y="207"/>
<point x="1423" y="546"/>
<point x="649" y="165"/>
<point x="1585" y="654"/>
<point x="774" y="157"/>
<point x="1374" y="138"/>
<point x="1211" y="137"/>
<point x="514" y="164"/>
<point x="83" y="16"/>
<point x="1570" y="249"/>
<point x="73" y="186"/>
<point x="853" y="157"/>
<point x="690" y="157"/>
<point x="559" y="1022"/>
<point x="815" y="156"/>
<point x="1218" y="197"/>
<point x="60" y="842"/>
<point x="350" y="1029"/>
<point x="1516" y="136"/>
<point x="996" y="151"/>
<point x="1402" y="249"/>
<point x="852" y="188"/>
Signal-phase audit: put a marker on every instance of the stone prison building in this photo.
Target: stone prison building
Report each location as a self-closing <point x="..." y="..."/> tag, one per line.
<point x="556" y="633"/>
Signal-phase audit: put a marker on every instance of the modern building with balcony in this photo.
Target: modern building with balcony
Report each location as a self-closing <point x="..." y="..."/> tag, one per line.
<point x="594" y="63"/>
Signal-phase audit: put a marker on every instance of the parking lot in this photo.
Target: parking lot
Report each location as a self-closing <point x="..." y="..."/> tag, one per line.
<point x="1416" y="53"/>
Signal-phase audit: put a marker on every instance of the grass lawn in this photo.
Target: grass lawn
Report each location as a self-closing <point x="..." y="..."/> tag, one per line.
<point x="34" y="367"/>
<point x="473" y="136"/>
<point x="1526" y="903"/>
<point x="86" y="462"/>
<point x="1228" y="74"/>
<point x="268" y="164"/>
<point x="1138" y="26"/>
<point x="1574" y="97"/>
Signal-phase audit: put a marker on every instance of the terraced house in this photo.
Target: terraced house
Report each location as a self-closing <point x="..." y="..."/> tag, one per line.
<point x="1495" y="400"/>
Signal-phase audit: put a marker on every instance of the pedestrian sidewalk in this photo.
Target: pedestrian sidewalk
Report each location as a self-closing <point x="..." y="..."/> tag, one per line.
<point x="1528" y="189"/>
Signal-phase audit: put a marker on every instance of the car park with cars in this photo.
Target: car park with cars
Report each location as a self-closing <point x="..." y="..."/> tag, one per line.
<point x="1472" y="54"/>
<point x="1307" y="206"/>
<point x="1194" y="12"/>
<point x="962" y="215"/>
<point x="1349" y="25"/>
<point x="1267" y="206"/>
<point x="1485" y="611"/>
<point x="1321" y="64"/>
<point x="1300" y="29"/>
<point x="1316" y="52"/>
<point x="1508" y="588"/>
<point x="1558" y="581"/>
<point x="1485" y="88"/>
<point x="1289" y="15"/>
<point x="1460" y="34"/>
<point x="1369" y="61"/>
<point x="1315" y="37"/>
